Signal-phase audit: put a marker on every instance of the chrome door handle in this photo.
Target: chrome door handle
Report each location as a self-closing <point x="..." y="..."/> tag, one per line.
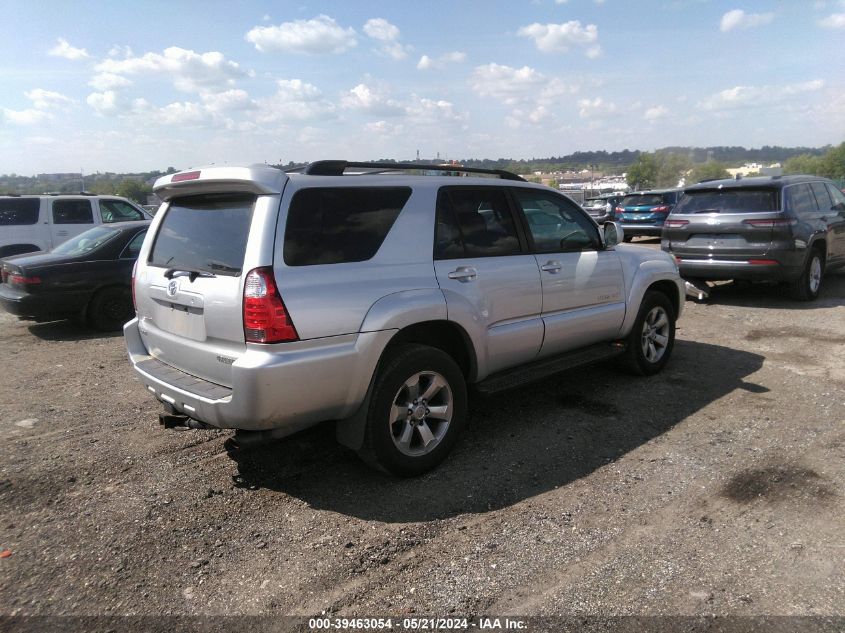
<point x="464" y="273"/>
<point x="551" y="267"/>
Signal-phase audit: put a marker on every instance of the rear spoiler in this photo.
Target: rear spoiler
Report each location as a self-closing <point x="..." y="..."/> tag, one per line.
<point x="256" y="179"/>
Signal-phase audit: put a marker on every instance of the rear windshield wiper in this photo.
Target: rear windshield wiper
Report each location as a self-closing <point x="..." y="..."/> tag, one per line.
<point x="172" y="273"/>
<point x="224" y="268"/>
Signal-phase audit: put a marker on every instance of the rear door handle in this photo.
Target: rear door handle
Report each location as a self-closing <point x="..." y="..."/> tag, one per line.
<point x="463" y="273"/>
<point x="551" y="267"/>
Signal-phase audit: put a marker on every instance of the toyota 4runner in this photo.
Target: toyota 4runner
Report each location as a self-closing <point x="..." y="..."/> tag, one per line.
<point x="269" y="301"/>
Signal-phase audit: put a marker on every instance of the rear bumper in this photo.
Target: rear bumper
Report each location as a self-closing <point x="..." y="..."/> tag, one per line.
<point x="41" y="306"/>
<point x="289" y="386"/>
<point x="719" y="269"/>
<point x="635" y="229"/>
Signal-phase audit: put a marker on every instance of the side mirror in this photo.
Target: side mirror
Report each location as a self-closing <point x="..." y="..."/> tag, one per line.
<point x="613" y="234"/>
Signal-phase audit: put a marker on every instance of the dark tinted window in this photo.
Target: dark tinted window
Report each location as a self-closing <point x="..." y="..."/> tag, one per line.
<point x="822" y="196"/>
<point x="134" y="247"/>
<point x="728" y="201"/>
<point x="87" y="241"/>
<point x="556" y="225"/>
<point x="337" y="225"/>
<point x="72" y="212"/>
<point x="204" y="233"/>
<point x="119" y="211"/>
<point x="646" y="200"/>
<point x="800" y="199"/>
<point x="16" y="211"/>
<point x="837" y="196"/>
<point x="474" y="222"/>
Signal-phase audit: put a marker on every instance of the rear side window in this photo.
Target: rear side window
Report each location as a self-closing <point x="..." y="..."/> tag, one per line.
<point x="474" y="223"/>
<point x="800" y="199"/>
<point x="205" y="234"/>
<point x="728" y="201"/>
<point x="822" y="196"/>
<point x="18" y="211"/>
<point x="72" y="212"/>
<point x="119" y="211"/>
<point x="340" y="224"/>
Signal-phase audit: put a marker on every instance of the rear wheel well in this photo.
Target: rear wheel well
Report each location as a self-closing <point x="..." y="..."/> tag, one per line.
<point x="669" y="289"/>
<point x="443" y="335"/>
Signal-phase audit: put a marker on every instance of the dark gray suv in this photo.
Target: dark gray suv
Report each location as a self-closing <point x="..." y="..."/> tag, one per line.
<point x="782" y="228"/>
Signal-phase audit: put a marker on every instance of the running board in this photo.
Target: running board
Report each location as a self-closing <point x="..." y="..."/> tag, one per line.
<point x="539" y="369"/>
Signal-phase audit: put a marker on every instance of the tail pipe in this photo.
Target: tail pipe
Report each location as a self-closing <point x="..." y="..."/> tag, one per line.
<point x="699" y="292"/>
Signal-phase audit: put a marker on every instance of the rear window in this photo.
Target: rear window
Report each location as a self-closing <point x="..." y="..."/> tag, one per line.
<point x="204" y="233"/>
<point x="86" y="241"/>
<point x="340" y="224"/>
<point x="728" y="201"/>
<point x="651" y="200"/>
<point x="18" y="211"/>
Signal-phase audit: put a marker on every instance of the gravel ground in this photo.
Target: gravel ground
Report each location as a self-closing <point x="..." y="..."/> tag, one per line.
<point x="713" y="488"/>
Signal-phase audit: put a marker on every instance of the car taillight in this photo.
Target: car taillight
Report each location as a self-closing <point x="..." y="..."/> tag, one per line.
<point x="619" y="210"/>
<point x="265" y="318"/>
<point x="132" y="285"/>
<point x="17" y="279"/>
<point x="661" y="209"/>
<point x="771" y="222"/>
<point x="675" y="224"/>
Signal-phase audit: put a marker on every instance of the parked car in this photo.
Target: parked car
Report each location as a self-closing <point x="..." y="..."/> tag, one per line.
<point x="781" y="228"/>
<point x="85" y="277"/>
<point x="39" y="223"/>
<point x="601" y="208"/>
<point x="270" y="301"/>
<point x="644" y="212"/>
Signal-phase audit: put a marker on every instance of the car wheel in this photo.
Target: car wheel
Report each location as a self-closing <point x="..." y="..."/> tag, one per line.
<point x="417" y="410"/>
<point x="807" y="286"/>
<point x="652" y="338"/>
<point x="110" y="309"/>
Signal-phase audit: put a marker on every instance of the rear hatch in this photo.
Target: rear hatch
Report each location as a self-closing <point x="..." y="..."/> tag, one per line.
<point x="728" y="223"/>
<point x="644" y="208"/>
<point x="190" y="276"/>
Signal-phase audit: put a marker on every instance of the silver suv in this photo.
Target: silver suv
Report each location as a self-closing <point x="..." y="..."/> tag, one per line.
<point x="270" y="301"/>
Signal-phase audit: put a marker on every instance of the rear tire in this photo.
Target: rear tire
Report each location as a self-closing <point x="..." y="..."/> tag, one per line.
<point x="807" y="286"/>
<point x="417" y="410"/>
<point x="652" y="338"/>
<point x="110" y="309"/>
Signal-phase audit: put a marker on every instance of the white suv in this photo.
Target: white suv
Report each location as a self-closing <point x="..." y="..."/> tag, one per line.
<point x="41" y="222"/>
<point x="270" y="301"/>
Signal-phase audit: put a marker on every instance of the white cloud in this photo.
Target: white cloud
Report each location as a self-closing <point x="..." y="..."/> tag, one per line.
<point x="656" y="112"/>
<point x="104" y="103"/>
<point x="742" y="96"/>
<point x="108" y="81"/>
<point x="506" y="84"/>
<point x="30" y="116"/>
<point x="319" y="35"/>
<point x="559" y="38"/>
<point x="833" y="21"/>
<point x="383" y="128"/>
<point x="596" y="108"/>
<point x="422" y="111"/>
<point x="228" y="101"/>
<point x="183" y="114"/>
<point x="365" y="99"/>
<point x="46" y="99"/>
<point x="383" y="31"/>
<point x="739" y="19"/>
<point x="189" y="71"/>
<point x="64" y="49"/>
<point x="123" y="52"/>
<point x="294" y="100"/>
<point x="428" y="63"/>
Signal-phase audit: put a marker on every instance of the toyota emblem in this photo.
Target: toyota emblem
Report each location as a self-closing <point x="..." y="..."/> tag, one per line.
<point x="172" y="287"/>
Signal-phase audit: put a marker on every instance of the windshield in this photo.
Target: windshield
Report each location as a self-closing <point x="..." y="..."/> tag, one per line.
<point x="728" y="201"/>
<point x="595" y="204"/>
<point x="205" y="234"/>
<point x="651" y="200"/>
<point x="86" y="242"/>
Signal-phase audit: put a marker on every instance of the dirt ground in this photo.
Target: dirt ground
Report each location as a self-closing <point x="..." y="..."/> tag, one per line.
<point x="715" y="487"/>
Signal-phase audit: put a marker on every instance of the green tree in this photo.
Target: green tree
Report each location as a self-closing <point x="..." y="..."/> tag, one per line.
<point x="134" y="190"/>
<point x="803" y="164"/>
<point x="671" y="168"/>
<point x="710" y="170"/>
<point x="833" y="162"/>
<point x="642" y="174"/>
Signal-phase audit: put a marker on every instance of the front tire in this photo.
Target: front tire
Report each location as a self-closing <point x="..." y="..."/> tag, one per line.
<point x="652" y="338"/>
<point x="807" y="286"/>
<point x="417" y="410"/>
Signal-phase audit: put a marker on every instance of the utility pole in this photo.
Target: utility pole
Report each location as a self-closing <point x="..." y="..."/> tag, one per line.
<point x="81" y="179"/>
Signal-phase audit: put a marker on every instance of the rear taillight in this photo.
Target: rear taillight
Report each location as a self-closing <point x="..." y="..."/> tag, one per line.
<point x="771" y="223"/>
<point x="17" y="279"/>
<point x="675" y="224"/>
<point x="132" y="285"/>
<point x="661" y="209"/>
<point x="619" y="210"/>
<point x="265" y="318"/>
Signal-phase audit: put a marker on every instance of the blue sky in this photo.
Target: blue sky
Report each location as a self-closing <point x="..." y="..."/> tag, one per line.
<point x="108" y="86"/>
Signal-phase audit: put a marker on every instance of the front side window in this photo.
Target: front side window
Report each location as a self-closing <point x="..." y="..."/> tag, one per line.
<point x="837" y="196"/>
<point x="474" y="222"/>
<point x="340" y="224"/>
<point x="19" y="211"/>
<point x="72" y="212"/>
<point x="556" y="224"/>
<point x="206" y="233"/>
<point x="119" y="211"/>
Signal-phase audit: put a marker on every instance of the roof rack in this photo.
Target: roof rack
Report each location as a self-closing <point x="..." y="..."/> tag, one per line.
<point x="337" y="167"/>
